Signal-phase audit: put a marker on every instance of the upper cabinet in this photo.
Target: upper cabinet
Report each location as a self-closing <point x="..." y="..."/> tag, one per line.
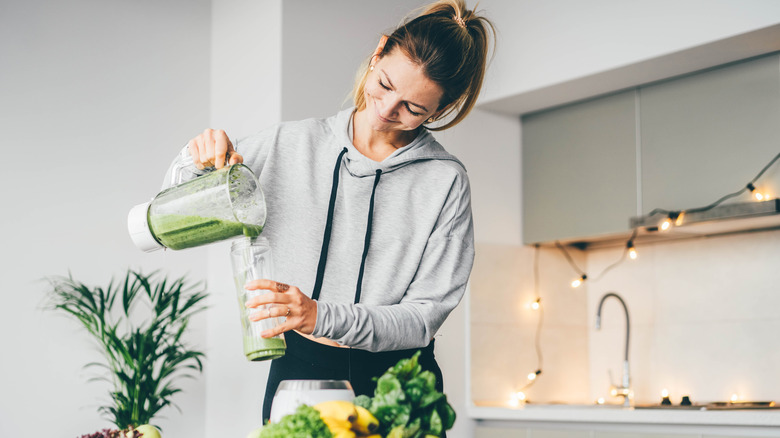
<point x="579" y="169"/>
<point x="706" y="135"/>
<point x="590" y="166"/>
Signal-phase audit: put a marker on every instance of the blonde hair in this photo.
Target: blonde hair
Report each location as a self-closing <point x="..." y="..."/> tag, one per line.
<point x="450" y="43"/>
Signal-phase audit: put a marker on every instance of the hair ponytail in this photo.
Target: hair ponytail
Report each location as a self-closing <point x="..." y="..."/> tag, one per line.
<point x="450" y="43"/>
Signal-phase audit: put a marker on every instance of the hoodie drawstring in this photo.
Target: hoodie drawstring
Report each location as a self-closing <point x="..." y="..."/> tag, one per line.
<point x="329" y="227"/>
<point x="315" y="295"/>
<point x="367" y="240"/>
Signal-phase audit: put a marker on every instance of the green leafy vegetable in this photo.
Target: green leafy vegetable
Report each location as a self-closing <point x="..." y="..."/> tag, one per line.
<point x="407" y="404"/>
<point x="304" y="423"/>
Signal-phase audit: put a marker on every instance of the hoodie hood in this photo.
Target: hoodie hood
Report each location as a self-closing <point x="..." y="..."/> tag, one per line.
<point x="423" y="147"/>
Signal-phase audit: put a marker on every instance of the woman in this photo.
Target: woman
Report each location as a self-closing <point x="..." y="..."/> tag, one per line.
<point x="369" y="217"/>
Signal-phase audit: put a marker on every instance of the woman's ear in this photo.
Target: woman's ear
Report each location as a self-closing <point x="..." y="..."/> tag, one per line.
<point x="379" y="48"/>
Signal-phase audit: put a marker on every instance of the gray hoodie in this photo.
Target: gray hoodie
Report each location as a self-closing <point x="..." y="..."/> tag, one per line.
<point x="387" y="252"/>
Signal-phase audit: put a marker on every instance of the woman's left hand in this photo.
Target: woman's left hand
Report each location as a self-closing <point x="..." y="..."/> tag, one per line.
<point x="284" y="301"/>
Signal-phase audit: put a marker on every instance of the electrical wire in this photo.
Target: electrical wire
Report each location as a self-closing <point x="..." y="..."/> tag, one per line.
<point x="537" y="340"/>
<point x="724" y="198"/>
<point x="672" y="215"/>
<point x="623" y="257"/>
<point x="568" y="258"/>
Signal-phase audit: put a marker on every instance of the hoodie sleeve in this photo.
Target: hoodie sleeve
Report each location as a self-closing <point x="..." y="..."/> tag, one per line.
<point x="437" y="288"/>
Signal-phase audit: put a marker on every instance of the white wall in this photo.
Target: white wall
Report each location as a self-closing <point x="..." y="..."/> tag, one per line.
<point x="324" y="44"/>
<point x="704" y="319"/>
<point x="245" y="97"/>
<point x="96" y="96"/>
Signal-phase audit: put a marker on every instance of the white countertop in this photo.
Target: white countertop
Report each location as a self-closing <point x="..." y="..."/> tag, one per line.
<point x="614" y="414"/>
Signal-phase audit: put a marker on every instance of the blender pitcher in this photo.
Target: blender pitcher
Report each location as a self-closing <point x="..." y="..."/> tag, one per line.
<point x="251" y="260"/>
<point x="219" y="205"/>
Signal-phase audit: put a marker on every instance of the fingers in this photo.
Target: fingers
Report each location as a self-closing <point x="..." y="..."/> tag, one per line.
<point x="277" y="295"/>
<point x="269" y="298"/>
<point x="233" y="156"/>
<point x="220" y="149"/>
<point x="194" y="150"/>
<point x="266" y="284"/>
<point x="282" y="300"/>
<point x="236" y="158"/>
<point x="211" y="149"/>
<point x="276" y="331"/>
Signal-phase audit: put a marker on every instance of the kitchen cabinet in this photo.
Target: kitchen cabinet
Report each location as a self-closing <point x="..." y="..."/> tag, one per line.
<point x="497" y="432"/>
<point x="588" y="167"/>
<point x="579" y="169"/>
<point x="562" y="421"/>
<point x="707" y="134"/>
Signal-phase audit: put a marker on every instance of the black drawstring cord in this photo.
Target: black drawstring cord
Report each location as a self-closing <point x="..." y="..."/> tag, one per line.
<point x="326" y="242"/>
<point x="367" y="240"/>
<point x="328" y="228"/>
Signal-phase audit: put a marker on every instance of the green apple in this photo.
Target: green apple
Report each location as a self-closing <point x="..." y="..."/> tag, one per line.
<point x="255" y="433"/>
<point x="148" y="431"/>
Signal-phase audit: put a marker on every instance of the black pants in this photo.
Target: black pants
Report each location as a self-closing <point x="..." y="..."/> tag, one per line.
<point x="306" y="359"/>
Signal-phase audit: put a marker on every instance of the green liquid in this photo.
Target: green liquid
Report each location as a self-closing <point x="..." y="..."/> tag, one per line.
<point x="177" y="231"/>
<point x="257" y="349"/>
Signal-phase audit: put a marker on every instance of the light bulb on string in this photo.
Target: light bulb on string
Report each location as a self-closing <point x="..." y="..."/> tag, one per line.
<point x="674" y="217"/>
<point x="578" y="282"/>
<point x="532" y="376"/>
<point x="759" y="196"/>
<point x="631" y="250"/>
<point x="679" y="219"/>
<point x="536" y="304"/>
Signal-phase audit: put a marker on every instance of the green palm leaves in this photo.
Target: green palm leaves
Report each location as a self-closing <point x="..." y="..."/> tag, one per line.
<point x="139" y="326"/>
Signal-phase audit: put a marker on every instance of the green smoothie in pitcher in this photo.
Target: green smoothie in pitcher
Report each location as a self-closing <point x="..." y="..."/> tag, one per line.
<point x="177" y="231"/>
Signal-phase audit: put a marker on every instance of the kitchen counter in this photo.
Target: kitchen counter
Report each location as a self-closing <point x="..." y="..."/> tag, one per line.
<point x="615" y="414"/>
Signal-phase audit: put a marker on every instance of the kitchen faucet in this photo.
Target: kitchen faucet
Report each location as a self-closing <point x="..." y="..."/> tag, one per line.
<point x="624" y="390"/>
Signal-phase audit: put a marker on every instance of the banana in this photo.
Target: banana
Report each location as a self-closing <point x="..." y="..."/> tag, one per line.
<point x="336" y="424"/>
<point x="339" y="428"/>
<point x="366" y="423"/>
<point x="337" y="409"/>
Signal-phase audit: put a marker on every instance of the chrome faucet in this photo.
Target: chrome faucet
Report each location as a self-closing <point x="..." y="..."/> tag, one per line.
<point x="624" y="390"/>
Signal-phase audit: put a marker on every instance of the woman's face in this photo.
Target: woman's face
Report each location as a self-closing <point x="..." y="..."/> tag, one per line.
<point x="399" y="97"/>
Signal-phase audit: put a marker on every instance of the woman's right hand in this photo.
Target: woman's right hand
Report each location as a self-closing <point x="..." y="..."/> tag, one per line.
<point x="213" y="148"/>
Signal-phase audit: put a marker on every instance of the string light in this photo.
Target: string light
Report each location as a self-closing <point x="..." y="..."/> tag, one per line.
<point x="627" y="252"/>
<point x="756" y="194"/>
<point x="517" y="399"/>
<point x="631" y="250"/>
<point x="676" y="217"/>
<point x="672" y="218"/>
<point x="520" y="397"/>
<point x="578" y="282"/>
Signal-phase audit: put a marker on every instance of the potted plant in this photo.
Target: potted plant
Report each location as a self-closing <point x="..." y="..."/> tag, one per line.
<point x="144" y="353"/>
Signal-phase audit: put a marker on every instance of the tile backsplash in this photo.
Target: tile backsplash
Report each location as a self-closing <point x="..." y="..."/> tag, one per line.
<point x="705" y="314"/>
